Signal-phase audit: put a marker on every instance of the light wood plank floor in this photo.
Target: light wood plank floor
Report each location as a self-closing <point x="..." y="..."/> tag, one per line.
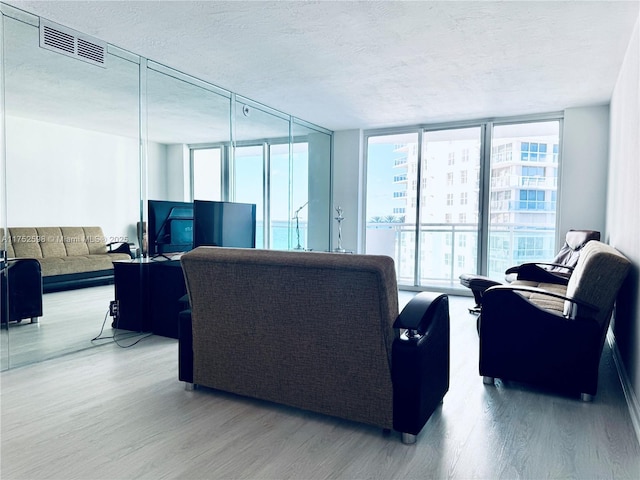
<point x="112" y="413"/>
<point x="71" y="319"/>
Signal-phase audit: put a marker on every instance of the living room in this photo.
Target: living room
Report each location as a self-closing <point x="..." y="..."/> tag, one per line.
<point x="598" y="142"/>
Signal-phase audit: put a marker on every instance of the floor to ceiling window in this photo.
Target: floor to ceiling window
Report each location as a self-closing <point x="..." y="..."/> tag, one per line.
<point x="289" y="191"/>
<point x="441" y="176"/>
<point x="248" y="183"/>
<point x="274" y="176"/>
<point x="392" y="172"/>
<point x="449" y="199"/>
<point x="523" y="192"/>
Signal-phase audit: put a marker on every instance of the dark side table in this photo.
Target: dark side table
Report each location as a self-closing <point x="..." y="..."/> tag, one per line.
<point x="149" y="293"/>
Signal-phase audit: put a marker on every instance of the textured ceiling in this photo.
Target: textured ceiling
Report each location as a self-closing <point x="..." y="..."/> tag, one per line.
<point x="373" y="64"/>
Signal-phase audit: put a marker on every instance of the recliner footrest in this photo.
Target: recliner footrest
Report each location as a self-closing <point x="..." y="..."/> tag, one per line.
<point x="478" y="284"/>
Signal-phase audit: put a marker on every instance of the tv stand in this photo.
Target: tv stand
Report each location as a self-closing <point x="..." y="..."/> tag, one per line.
<point x="149" y="292"/>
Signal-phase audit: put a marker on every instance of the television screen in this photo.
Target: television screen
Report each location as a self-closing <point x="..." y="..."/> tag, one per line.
<point x="170" y="228"/>
<point x="224" y="224"/>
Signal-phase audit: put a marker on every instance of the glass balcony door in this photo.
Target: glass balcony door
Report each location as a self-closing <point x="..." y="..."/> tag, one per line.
<point x="391" y="202"/>
<point x="523" y="194"/>
<point x="449" y="200"/>
<point x="485" y="197"/>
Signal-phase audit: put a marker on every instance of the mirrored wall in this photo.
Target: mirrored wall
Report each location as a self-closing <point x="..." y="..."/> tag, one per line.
<point x="87" y="145"/>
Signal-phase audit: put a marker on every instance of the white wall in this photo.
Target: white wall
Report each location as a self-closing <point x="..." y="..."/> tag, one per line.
<point x="157" y="173"/>
<point x="347" y="155"/>
<point x="60" y="175"/>
<point x="319" y="191"/>
<point x="178" y="179"/>
<point x="584" y="166"/>
<point x="623" y="214"/>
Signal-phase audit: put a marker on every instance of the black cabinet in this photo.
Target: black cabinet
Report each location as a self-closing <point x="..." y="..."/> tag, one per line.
<point x="148" y="293"/>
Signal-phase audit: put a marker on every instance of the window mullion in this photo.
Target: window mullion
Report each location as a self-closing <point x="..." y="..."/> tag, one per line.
<point x="484" y="185"/>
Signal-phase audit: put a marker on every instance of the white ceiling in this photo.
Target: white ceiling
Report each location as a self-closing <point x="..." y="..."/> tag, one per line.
<point x="372" y="64"/>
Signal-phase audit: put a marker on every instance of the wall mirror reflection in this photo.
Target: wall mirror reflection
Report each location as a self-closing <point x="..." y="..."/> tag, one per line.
<point x="89" y="145"/>
<point x="72" y="187"/>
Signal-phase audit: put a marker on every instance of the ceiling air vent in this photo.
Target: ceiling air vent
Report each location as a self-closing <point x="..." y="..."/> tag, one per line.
<point x="72" y="44"/>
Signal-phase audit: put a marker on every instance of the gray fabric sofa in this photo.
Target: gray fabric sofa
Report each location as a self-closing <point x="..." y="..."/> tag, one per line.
<point x="69" y="256"/>
<point x="317" y="331"/>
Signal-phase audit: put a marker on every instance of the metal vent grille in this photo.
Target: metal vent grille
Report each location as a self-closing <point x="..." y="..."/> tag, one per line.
<point x="58" y="40"/>
<point x="72" y="44"/>
<point x="90" y="51"/>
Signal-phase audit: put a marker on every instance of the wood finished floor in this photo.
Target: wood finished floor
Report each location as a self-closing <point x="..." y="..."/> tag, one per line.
<point x="71" y="320"/>
<point x="114" y="413"/>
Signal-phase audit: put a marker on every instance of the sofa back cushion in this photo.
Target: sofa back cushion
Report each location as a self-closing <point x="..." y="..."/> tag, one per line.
<point x="55" y="242"/>
<point x="26" y="242"/>
<point x="75" y="241"/>
<point x="311" y="330"/>
<point x="598" y="276"/>
<point x="96" y="242"/>
<point x="51" y="242"/>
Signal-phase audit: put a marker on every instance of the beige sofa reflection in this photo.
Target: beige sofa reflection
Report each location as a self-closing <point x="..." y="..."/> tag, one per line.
<point x="70" y="257"/>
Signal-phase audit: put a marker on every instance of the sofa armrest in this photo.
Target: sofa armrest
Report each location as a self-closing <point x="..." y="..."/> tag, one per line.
<point x="420" y="362"/>
<point x="122" y="247"/>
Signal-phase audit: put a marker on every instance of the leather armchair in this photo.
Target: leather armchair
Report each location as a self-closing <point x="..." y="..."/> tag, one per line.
<point x="557" y="271"/>
<point x="560" y="268"/>
<point x="22" y="291"/>
<point x="552" y="335"/>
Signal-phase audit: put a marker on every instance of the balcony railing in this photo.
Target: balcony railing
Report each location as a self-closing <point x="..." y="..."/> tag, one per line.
<point x="501" y="206"/>
<point x="450" y="249"/>
<point x="516" y="181"/>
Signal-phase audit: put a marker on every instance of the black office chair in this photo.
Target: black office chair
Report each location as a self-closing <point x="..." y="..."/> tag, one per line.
<point x="557" y="271"/>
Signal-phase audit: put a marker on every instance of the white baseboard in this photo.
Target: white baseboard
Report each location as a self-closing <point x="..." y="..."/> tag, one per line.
<point x="629" y="394"/>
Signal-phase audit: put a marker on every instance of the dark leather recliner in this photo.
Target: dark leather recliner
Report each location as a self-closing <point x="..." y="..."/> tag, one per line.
<point x="557" y="271"/>
<point x="22" y="296"/>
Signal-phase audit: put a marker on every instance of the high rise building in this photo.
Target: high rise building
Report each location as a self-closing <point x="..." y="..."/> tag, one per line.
<point x="522" y="210"/>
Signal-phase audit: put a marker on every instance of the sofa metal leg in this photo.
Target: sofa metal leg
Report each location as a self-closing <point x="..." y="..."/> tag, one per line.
<point x="188" y="386"/>
<point x="408" y="438"/>
<point x="34" y="319"/>
<point x="488" y="380"/>
<point x="585" y="397"/>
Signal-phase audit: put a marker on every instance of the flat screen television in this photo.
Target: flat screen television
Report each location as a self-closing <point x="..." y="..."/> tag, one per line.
<point x="224" y="224"/>
<point x="170" y="228"/>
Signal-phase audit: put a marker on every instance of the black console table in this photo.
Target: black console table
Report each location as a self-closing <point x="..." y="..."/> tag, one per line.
<point x="148" y="294"/>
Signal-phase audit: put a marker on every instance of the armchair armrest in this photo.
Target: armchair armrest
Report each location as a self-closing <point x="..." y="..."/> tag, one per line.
<point x="539" y="264"/>
<point x="417" y="315"/>
<point x="420" y="362"/>
<point x="541" y="291"/>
